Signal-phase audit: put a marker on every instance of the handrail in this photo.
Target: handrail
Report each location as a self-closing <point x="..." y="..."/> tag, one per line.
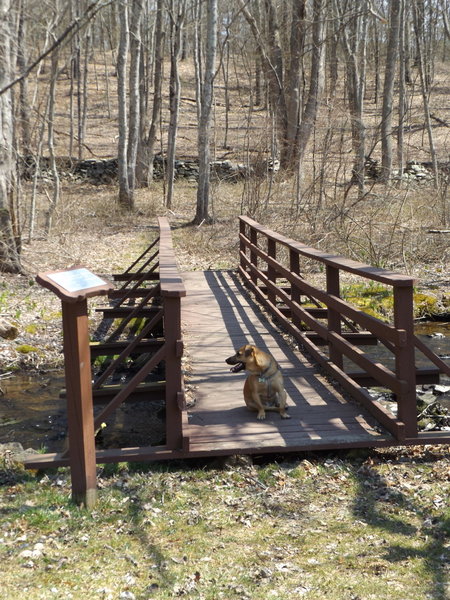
<point x="171" y="288"/>
<point x="258" y="244"/>
<point x="339" y="262"/>
<point x="171" y="281"/>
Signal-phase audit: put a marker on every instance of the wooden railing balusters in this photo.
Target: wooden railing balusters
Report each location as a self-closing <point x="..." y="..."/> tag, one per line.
<point x="334" y="317"/>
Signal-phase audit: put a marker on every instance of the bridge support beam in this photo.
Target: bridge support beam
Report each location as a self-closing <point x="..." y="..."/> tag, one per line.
<point x="405" y="359"/>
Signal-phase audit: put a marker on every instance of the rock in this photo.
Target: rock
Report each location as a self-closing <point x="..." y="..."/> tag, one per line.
<point x="15" y="451"/>
<point x="8" y="331"/>
<point x="442" y="389"/>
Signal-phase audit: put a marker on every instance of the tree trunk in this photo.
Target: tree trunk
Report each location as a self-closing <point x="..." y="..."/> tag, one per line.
<point x="316" y="80"/>
<point x="202" y="213"/>
<point x="23" y="94"/>
<point x="146" y="160"/>
<point x="417" y="6"/>
<point x="293" y="79"/>
<point x="272" y="62"/>
<point x="353" y="37"/>
<point x="401" y="91"/>
<point x="51" y="144"/>
<point x="388" y="89"/>
<point x="174" y="99"/>
<point x="9" y="255"/>
<point x="125" y="194"/>
<point x="135" y="105"/>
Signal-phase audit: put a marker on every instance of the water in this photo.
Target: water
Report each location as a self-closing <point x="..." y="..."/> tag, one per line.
<point x="31" y="411"/>
<point x="33" y="414"/>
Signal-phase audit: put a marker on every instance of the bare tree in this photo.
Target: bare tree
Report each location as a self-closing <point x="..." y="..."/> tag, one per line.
<point x="146" y="159"/>
<point x="204" y="127"/>
<point x="134" y="92"/>
<point x="353" y="39"/>
<point x="23" y="94"/>
<point x="316" y="81"/>
<point x="177" y="20"/>
<point x="417" y="8"/>
<point x="388" y="89"/>
<point x="9" y="248"/>
<point x="125" y="195"/>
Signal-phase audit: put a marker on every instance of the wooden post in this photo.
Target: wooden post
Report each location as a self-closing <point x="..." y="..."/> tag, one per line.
<point x="80" y="413"/>
<point x="334" y="319"/>
<point x="174" y="376"/>
<point x="294" y="266"/>
<point x="405" y="358"/>
<point x="271" y="271"/>
<point x="73" y="287"/>
<point x="242" y="245"/>
<point x="253" y="255"/>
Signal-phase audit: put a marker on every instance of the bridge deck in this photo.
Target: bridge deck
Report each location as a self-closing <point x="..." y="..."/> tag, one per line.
<point x="218" y="317"/>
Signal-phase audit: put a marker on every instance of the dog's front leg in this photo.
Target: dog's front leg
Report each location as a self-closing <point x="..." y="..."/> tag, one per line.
<point x="253" y="401"/>
<point x="259" y="406"/>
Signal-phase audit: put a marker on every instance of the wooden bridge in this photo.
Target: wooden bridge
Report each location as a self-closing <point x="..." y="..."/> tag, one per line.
<point x="180" y="328"/>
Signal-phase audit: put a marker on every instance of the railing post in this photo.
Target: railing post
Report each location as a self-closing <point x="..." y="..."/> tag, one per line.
<point x="405" y="358"/>
<point x="253" y="255"/>
<point x="334" y="318"/>
<point x="242" y="246"/>
<point x="271" y="272"/>
<point x="294" y="267"/>
<point x="174" y="376"/>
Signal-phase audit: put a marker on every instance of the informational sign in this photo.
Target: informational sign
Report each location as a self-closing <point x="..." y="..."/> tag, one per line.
<point x="76" y="280"/>
<point x="75" y="284"/>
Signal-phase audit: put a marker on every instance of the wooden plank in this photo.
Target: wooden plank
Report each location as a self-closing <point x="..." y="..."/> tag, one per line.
<point x="123" y="311"/>
<point x="115" y="348"/>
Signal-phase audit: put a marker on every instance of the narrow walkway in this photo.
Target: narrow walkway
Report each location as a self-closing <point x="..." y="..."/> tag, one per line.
<point x="218" y="317"/>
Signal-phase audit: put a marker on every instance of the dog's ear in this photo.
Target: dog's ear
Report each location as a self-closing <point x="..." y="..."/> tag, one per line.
<point x="249" y="351"/>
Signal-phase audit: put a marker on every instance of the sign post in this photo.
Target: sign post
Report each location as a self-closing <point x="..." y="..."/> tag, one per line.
<point x="73" y="287"/>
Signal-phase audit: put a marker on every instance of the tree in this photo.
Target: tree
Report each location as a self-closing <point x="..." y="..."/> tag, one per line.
<point x="9" y="249"/>
<point x="204" y="126"/>
<point x="125" y="194"/>
<point x="284" y="73"/>
<point x="148" y="147"/>
<point x="177" y="20"/>
<point x="354" y="43"/>
<point x="388" y="89"/>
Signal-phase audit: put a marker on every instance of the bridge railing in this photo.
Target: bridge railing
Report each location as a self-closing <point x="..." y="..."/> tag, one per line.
<point x="270" y="265"/>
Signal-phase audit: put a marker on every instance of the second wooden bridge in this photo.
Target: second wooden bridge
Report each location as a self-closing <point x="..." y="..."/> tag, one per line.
<point x="184" y="326"/>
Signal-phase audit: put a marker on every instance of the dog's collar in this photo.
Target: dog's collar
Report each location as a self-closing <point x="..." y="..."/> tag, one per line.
<point x="262" y="378"/>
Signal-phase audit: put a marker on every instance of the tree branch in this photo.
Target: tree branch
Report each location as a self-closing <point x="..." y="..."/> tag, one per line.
<point x="73" y="28"/>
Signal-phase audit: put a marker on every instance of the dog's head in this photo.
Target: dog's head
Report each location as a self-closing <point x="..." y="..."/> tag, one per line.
<point x="239" y="360"/>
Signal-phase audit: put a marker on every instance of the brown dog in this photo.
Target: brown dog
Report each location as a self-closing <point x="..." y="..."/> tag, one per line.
<point x="263" y="388"/>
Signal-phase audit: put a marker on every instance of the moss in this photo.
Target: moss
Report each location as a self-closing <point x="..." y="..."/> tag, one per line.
<point x="425" y="305"/>
<point x="374" y="299"/>
<point x="26" y="349"/>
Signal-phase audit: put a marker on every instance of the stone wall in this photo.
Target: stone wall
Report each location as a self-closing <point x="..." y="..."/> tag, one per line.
<point x="104" y="171"/>
<point x="101" y="171"/>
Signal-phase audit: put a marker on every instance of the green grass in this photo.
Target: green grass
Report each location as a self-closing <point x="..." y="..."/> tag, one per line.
<point x="330" y="527"/>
